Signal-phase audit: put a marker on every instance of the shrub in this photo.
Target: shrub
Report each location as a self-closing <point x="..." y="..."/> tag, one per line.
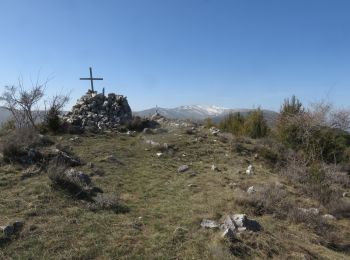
<point x="52" y="119"/>
<point x="75" y="182"/>
<point x="269" y="154"/>
<point x="208" y="123"/>
<point x="289" y="130"/>
<point x="20" y="146"/>
<point x="255" y="125"/>
<point x="318" y="132"/>
<point x="233" y="123"/>
<point x="8" y="126"/>
<point x="138" y="124"/>
<point x="318" y="186"/>
<point x="269" y="199"/>
<point x="340" y="208"/>
<point x="291" y="106"/>
<point x="104" y="201"/>
<point x="337" y="176"/>
<point x="311" y="179"/>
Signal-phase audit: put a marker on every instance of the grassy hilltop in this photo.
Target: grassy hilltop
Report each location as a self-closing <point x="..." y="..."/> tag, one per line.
<point x="160" y="209"/>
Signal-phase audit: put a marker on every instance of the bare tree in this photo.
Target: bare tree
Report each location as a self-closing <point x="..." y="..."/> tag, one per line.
<point x="20" y="102"/>
<point x="340" y="119"/>
<point x="57" y="103"/>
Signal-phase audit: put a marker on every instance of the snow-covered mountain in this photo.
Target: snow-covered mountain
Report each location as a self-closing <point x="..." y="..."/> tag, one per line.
<point x="199" y="112"/>
<point x="205" y="110"/>
<point x="194" y="112"/>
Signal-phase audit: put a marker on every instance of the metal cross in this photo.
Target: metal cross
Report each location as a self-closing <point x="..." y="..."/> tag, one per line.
<point x="91" y="79"/>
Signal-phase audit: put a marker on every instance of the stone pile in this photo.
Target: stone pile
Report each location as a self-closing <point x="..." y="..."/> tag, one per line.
<point x="98" y="111"/>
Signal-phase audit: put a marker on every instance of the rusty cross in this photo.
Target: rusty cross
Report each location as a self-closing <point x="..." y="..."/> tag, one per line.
<point x="91" y="79"/>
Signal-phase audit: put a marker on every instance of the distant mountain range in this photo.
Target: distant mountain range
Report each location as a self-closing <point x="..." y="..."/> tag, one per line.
<point x="198" y="112"/>
<point x="194" y="112"/>
<point x="4" y="115"/>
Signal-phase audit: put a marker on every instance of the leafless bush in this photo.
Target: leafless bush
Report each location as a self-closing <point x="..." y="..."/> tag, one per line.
<point x="340" y="118"/>
<point x="21" y="103"/>
<point x="312" y="180"/>
<point x="336" y="176"/>
<point x="296" y="166"/>
<point x="340" y="208"/>
<point x="269" y="199"/>
<point x="315" y="222"/>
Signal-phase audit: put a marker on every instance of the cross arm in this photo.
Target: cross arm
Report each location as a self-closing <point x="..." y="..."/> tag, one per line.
<point x="91" y="78"/>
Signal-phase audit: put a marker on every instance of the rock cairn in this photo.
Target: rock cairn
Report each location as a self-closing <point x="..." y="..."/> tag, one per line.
<point x="99" y="111"/>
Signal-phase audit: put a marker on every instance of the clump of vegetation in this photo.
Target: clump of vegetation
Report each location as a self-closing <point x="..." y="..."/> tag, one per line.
<point x="76" y="183"/>
<point x="7" y="127"/>
<point x="269" y="199"/>
<point x="288" y="130"/>
<point x="138" y="124"/>
<point x="21" y="146"/>
<point x="79" y="185"/>
<point x="52" y="120"/>
<point x="233" y="123"/>
<point x="253" y="125"/>
<point x="104" y="201"/>
<point x="320" y="182"/>
<point x="320" y="132"/>
<point x="208" y="123"/>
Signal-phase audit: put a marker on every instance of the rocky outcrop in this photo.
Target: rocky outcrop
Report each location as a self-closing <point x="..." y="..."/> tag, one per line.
<point x="97" y="111"/>
<point x="251" y="190"/>
<point x="233" y="224"/>
<point x="11" y="229"/>
<point x="182" y="168"/>
<point x="250" y="170"/>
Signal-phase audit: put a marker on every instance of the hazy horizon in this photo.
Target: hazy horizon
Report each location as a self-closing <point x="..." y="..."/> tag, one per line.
<point x="230" y="54"/>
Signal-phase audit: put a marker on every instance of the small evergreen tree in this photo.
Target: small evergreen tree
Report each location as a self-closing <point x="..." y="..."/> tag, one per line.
<point x="233" y="123"/>
<point x="289" y="129"/>
<point x="255" y="124"/>
<point x="291" y="106"/>
<point x="208" y="122"/>
<point x="52" y="120"/>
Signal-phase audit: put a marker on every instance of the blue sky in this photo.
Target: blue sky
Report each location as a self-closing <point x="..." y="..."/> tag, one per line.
<point x="237" y="54"/>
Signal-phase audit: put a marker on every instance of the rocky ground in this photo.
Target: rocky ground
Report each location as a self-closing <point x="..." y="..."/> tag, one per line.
<point x="182" y="191"/>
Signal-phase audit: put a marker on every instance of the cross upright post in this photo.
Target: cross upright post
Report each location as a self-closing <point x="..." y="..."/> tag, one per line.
<point x="91" y="79"/>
